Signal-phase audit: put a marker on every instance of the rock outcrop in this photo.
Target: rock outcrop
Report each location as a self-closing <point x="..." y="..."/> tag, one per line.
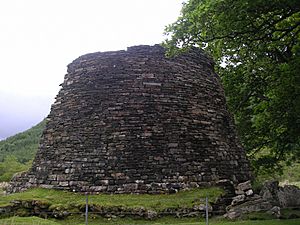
<point x="286" y="196"/>
<point x="271" y="199"/>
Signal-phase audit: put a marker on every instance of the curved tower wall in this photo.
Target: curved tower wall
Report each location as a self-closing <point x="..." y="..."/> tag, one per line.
<point x="136" y="121"/>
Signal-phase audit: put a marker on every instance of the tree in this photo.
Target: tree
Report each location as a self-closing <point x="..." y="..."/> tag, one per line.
<point x="256" y="46"/>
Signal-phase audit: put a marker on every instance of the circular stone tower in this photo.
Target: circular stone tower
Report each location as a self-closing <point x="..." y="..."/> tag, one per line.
<point x="137" y="122"/>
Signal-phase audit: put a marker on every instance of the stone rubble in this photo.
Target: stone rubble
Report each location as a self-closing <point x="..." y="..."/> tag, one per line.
<point x="271" y="199"/>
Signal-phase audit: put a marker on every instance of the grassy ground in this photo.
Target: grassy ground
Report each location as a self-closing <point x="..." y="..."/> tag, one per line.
<point x="158" y="202"/>
<point x="169" y="221"/>
<point x="67" y="200"/>
<point x="260" y="222"/>
<point x="26" y="221"/>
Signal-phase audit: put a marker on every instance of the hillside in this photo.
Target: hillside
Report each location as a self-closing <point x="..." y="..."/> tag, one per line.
<point x="17" y="152"/>
<point x="24" y="145"/>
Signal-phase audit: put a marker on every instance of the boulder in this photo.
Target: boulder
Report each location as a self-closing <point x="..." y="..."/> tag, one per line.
<point x="232" y="215"/>
<point x="151" y="214"/>
<point x="275" y="211"/>
<point x="286" y="196"/>
<point x="253" y="205"/>
<point x="249" y="192"/>
<point x="238" y="200"/>
<point x="269" y="191"/>
<point x="241" y="188"/>
<point x="271" y="199"/>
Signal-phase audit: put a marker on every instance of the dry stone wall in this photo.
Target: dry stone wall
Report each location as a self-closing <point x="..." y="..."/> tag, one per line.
<point x="137" y="122"/>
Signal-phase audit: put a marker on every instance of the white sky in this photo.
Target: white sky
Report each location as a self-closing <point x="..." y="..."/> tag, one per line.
<point x="38" y="38"/>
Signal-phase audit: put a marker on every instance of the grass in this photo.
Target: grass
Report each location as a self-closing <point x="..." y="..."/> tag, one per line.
<point x="163" y="221"/>
<point x="27" y="221"/>
<point x="68" y="200"/>
<point x="296" y="183"/>
<point x="288" y="175"/>
<point x="260" y="222"/>
<point x="157" y="202"/>
<point x="72" y="201"/>
<point x="290" y="213"/>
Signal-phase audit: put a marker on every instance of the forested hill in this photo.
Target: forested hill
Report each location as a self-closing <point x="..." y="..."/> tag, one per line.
<point x="24" y="145"/>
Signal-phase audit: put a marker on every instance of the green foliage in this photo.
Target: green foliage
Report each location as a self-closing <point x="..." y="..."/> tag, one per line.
<point x="10" y="166"/>
<point x="23" y="146"/>
<point x="290" y="175"/>
<point x="256" y="45"/>
<point x="18" y="151"/>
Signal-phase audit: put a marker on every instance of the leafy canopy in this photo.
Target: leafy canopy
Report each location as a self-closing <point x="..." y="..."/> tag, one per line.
<point x="255" y="44"/>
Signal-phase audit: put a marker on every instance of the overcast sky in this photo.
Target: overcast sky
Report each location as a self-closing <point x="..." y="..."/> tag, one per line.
<point x="40" y="37"/>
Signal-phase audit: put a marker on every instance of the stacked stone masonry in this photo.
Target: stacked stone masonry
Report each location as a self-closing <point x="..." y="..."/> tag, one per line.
<point x="136" y="121"/>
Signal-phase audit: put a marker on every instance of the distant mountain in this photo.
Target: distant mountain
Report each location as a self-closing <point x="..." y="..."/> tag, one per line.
<point x="24" y="145"/>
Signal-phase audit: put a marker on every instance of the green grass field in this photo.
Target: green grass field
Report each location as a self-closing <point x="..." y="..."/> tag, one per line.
<point x="169" y="221"/>
<point x="68" y="200"/>
<point x="157" y="202"/>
